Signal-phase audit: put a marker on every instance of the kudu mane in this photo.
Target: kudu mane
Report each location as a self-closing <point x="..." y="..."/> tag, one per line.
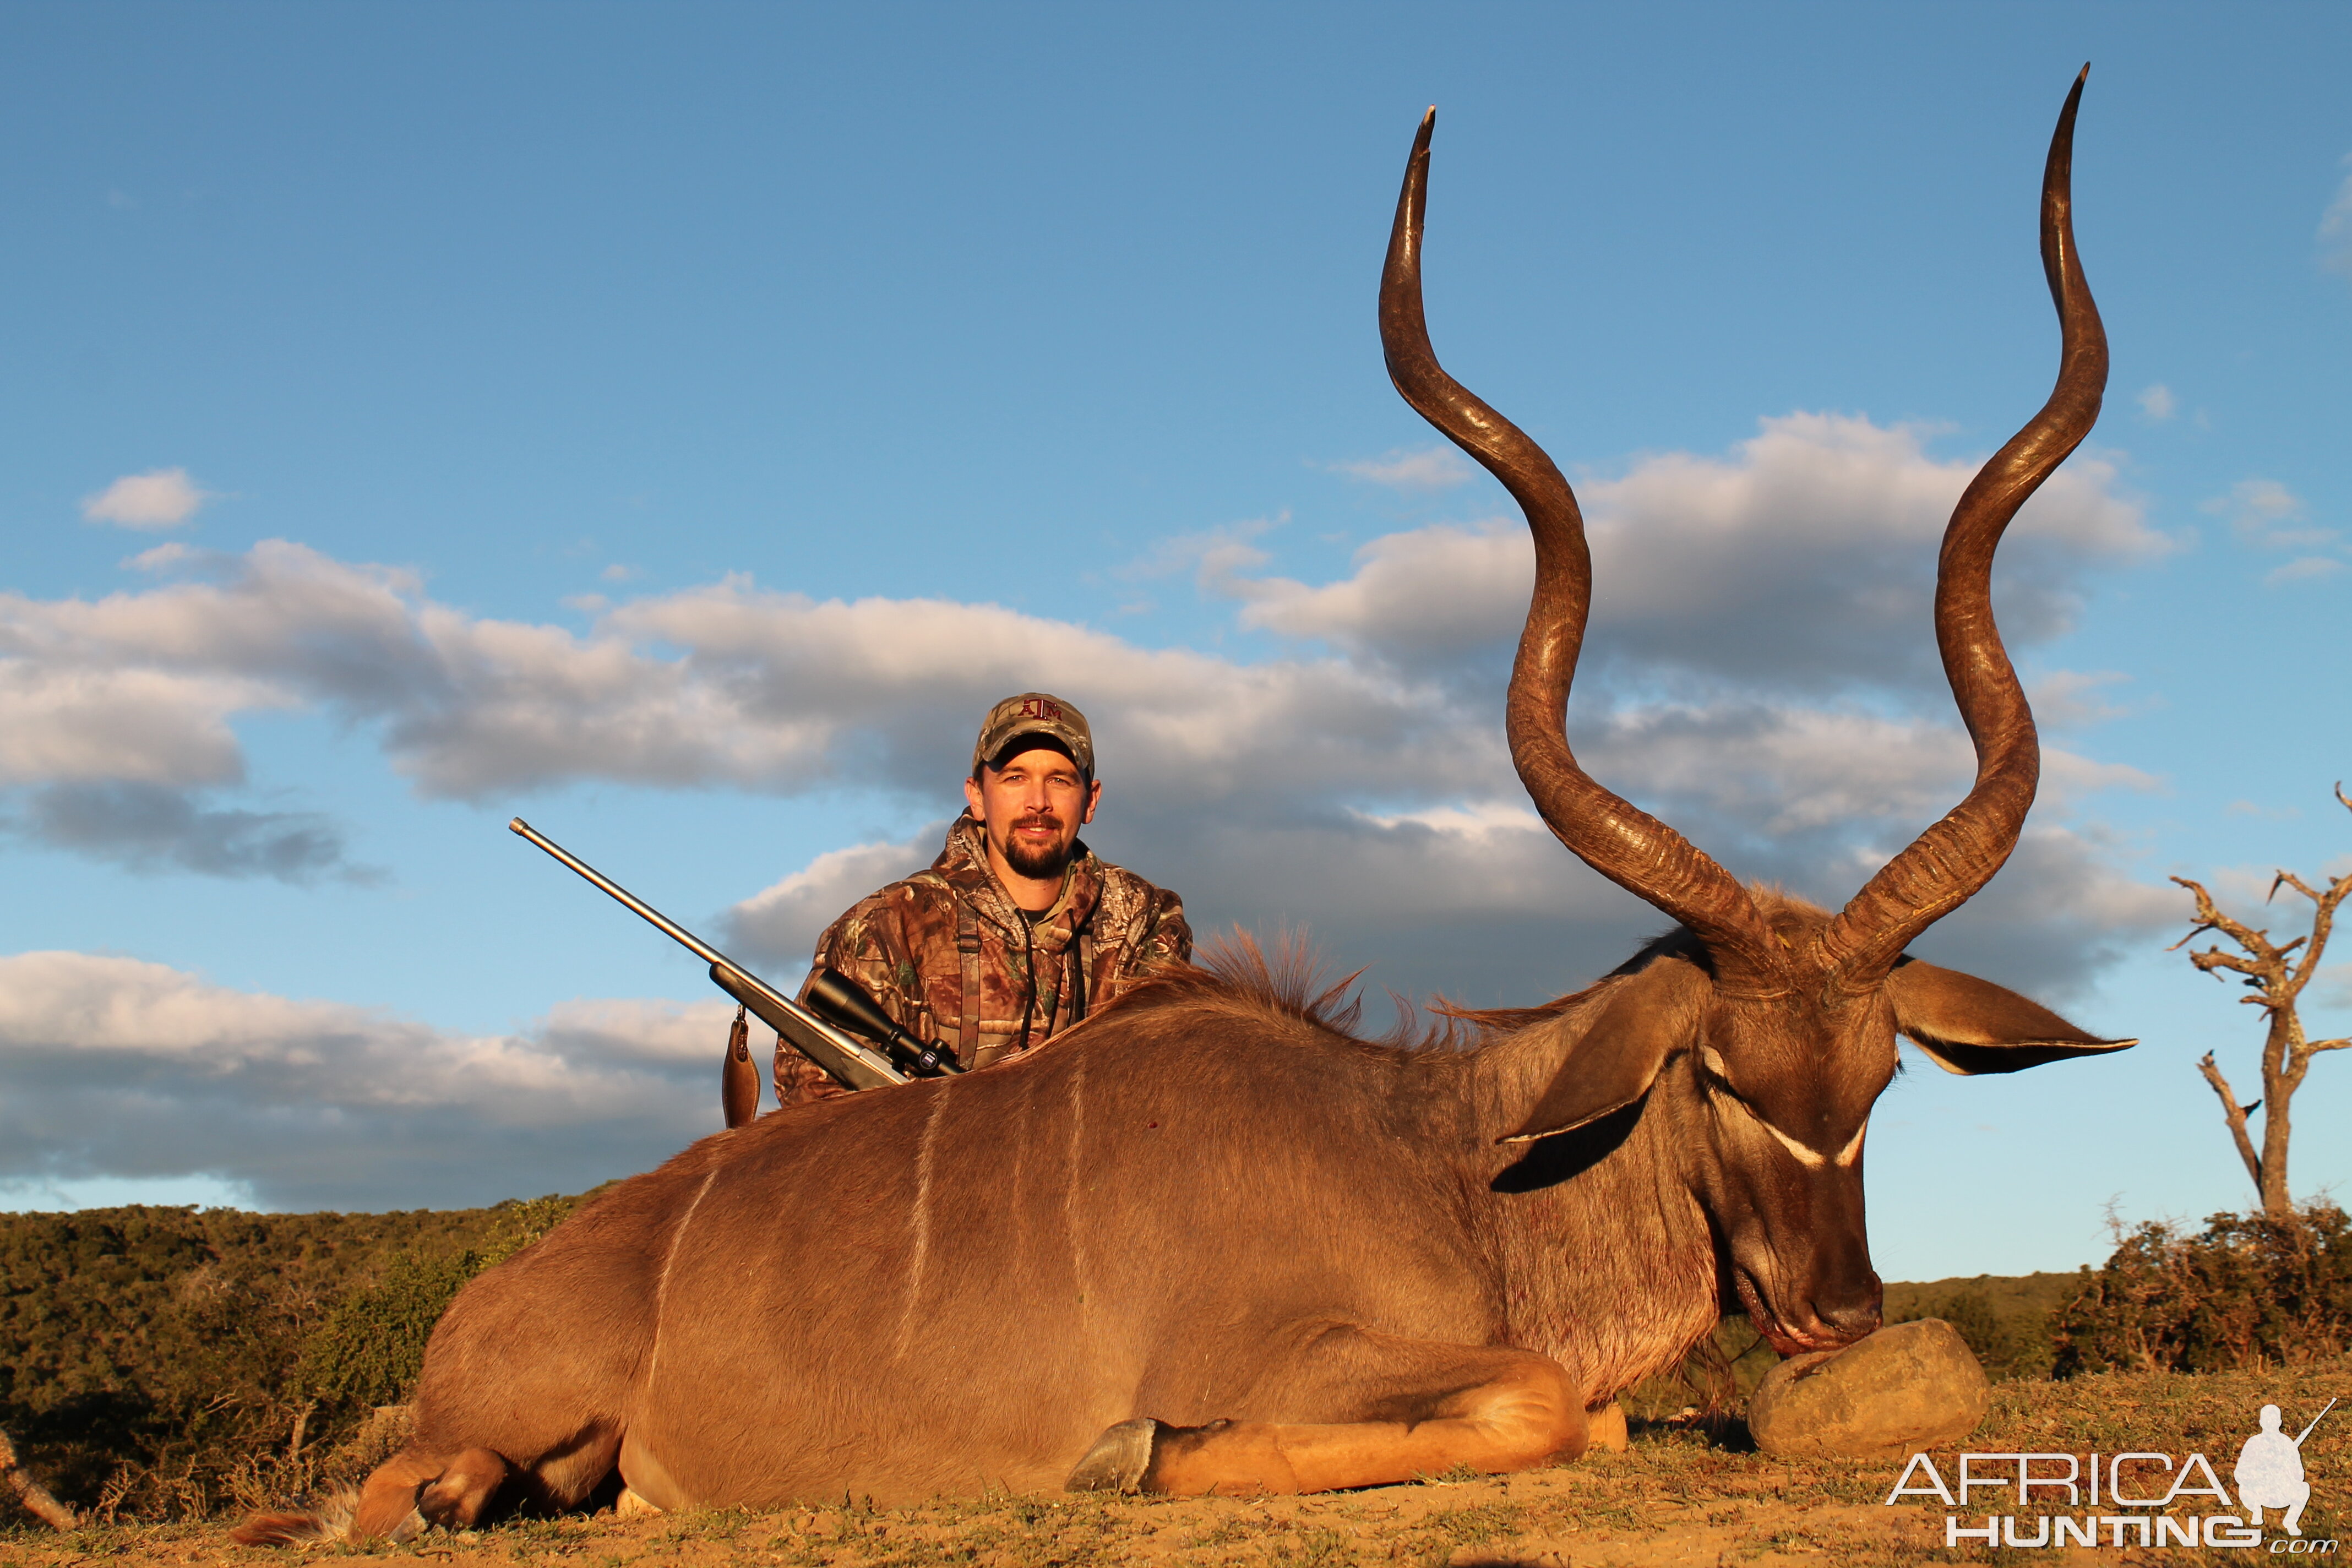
<point x="1289" y="987"/>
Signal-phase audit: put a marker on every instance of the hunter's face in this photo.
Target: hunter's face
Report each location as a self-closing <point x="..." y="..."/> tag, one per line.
<point x="1032" y="809"/>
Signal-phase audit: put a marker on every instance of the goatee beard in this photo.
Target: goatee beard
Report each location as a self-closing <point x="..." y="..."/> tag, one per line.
<point x="1036" y="861"/>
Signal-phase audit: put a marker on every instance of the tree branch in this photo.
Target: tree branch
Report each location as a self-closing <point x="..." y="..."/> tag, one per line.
<point x="2276" y="981"/>
<point x="2288" y="878"/>
<point x="2213" y="958"/>
<point x="37" y="1497"/>
<point x="2210" y="917"/>
<point x="2236" y="1115"/>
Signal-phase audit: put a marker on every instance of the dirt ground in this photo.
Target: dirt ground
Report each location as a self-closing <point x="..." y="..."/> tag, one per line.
<point x="1676" y="1497"/>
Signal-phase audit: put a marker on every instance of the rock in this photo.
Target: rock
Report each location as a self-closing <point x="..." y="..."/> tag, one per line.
<point x="1907" y="1387"/>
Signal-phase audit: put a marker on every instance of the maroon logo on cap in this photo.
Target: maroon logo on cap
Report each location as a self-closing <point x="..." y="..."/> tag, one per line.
<point x="1038" y="707"/>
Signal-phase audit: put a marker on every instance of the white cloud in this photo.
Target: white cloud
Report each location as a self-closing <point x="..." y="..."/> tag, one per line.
<point x="2061" y="910"/>
<point x="1802" y="562"/>
<point x="162" y="498"/>
<point x="1482" y="820"/>
<point x="2250" y="892"/>
<point x="1420" y="469"/>
<point x="2335" y="229"/>
<point x="68" y="719"/>
<point x="1810" y="554"/>
<point x="2065" y="698"/>
<point x="1213" y="557"/>
<point x="1761" y="674"/>
<point x="1429" y="597"/>
<point x="2157" y="402"/>
<point x="152" y="827"/>
<point x="2269" y="516"/>
<point x="116" y="1066"/>
<point x="1777" y="771"/>
<point x="783" y="922"/>
<point x="2303" y="569"/>
<point x="1805" y="558"/>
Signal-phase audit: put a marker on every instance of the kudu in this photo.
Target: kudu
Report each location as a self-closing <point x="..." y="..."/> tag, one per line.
<point x="1206" y="1240"/>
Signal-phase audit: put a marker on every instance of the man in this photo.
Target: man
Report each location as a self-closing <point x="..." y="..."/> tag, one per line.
<point x="1017" y="931"/>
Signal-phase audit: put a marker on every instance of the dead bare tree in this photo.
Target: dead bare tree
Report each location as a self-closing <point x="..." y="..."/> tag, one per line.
<point x="31" y="1495"/>
<point x="2276" y="975"/>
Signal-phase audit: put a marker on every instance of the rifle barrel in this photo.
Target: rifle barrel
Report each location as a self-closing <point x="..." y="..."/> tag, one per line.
<point x="652" y="916"/>
<point x="851" y="1061"/>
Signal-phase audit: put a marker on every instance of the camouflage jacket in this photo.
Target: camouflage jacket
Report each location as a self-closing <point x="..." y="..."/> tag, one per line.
<point x="908" y="945"/>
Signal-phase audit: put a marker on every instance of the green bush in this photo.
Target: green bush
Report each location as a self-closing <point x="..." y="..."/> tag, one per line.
<point x="163" y="1363"/>
<point x="368" y="1350"/>
<point x="2249" y="1291"/>
<point x="2007" y="1345"/>
<point x="371" y="1347"/>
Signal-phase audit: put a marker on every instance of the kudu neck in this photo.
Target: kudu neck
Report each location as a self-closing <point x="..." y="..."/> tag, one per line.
<point x="1606" y="1258"/>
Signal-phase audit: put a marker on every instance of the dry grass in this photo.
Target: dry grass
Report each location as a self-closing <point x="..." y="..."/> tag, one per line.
<point x="1674" y="1498"/>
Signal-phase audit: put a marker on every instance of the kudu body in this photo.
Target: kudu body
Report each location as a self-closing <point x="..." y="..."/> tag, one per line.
<point x="1209" y="1241"/>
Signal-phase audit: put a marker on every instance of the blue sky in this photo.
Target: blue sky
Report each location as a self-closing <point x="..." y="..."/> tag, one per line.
<point x="676" y="424"/>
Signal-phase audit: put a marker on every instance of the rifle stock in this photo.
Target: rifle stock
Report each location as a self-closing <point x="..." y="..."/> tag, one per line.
<point x="845" y="1059"/>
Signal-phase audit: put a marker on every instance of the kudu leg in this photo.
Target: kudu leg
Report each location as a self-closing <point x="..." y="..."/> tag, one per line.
<point x="411" y="1492"/>
<point x="456" y="1496"/>
<point x="1375" y="1410"/>
<point x="417" y="1490"/>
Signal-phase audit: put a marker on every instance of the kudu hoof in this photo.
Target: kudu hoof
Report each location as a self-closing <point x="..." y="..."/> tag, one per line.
<point x="1118" y="1459"/>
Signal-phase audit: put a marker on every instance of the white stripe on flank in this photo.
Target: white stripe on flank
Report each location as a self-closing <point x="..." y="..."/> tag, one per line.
<point x="922" y="1222"/>
<point x="1073" y="1178"/>
<point x="661" y="1286"/>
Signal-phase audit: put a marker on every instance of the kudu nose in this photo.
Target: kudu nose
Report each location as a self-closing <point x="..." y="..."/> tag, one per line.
<point x="1849" y="1320"/>
<point x="1847" y="1308"/>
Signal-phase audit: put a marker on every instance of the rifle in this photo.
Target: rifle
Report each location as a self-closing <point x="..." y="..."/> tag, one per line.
<point x="829" y="1043"/>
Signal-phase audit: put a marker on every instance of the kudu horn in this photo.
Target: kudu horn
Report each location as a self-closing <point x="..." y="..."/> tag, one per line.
<point x="1945" y="866"/>
<point x="1951" y="860"/>
<point x="1616" y="838"/>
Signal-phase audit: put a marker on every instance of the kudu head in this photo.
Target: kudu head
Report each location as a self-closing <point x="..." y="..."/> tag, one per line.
<point x="1780" y="1017"/>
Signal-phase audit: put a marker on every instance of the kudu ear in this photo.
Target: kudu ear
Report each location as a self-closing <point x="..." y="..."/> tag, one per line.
<point x="1969" y="1026"/>
<point x="1611" y="1065"/>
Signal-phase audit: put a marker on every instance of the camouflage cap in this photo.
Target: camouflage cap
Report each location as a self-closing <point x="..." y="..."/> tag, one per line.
<point x="1034" y="714"/>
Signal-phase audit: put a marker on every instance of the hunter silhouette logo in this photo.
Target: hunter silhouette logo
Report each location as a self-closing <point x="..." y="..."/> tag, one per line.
<point x="2270" y="1470"/>
<point x="2152" y="1496"/>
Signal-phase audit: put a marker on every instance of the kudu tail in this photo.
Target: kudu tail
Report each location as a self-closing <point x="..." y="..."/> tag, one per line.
<point x="408" y="1494"/>
<point x="329" y="1522"/>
